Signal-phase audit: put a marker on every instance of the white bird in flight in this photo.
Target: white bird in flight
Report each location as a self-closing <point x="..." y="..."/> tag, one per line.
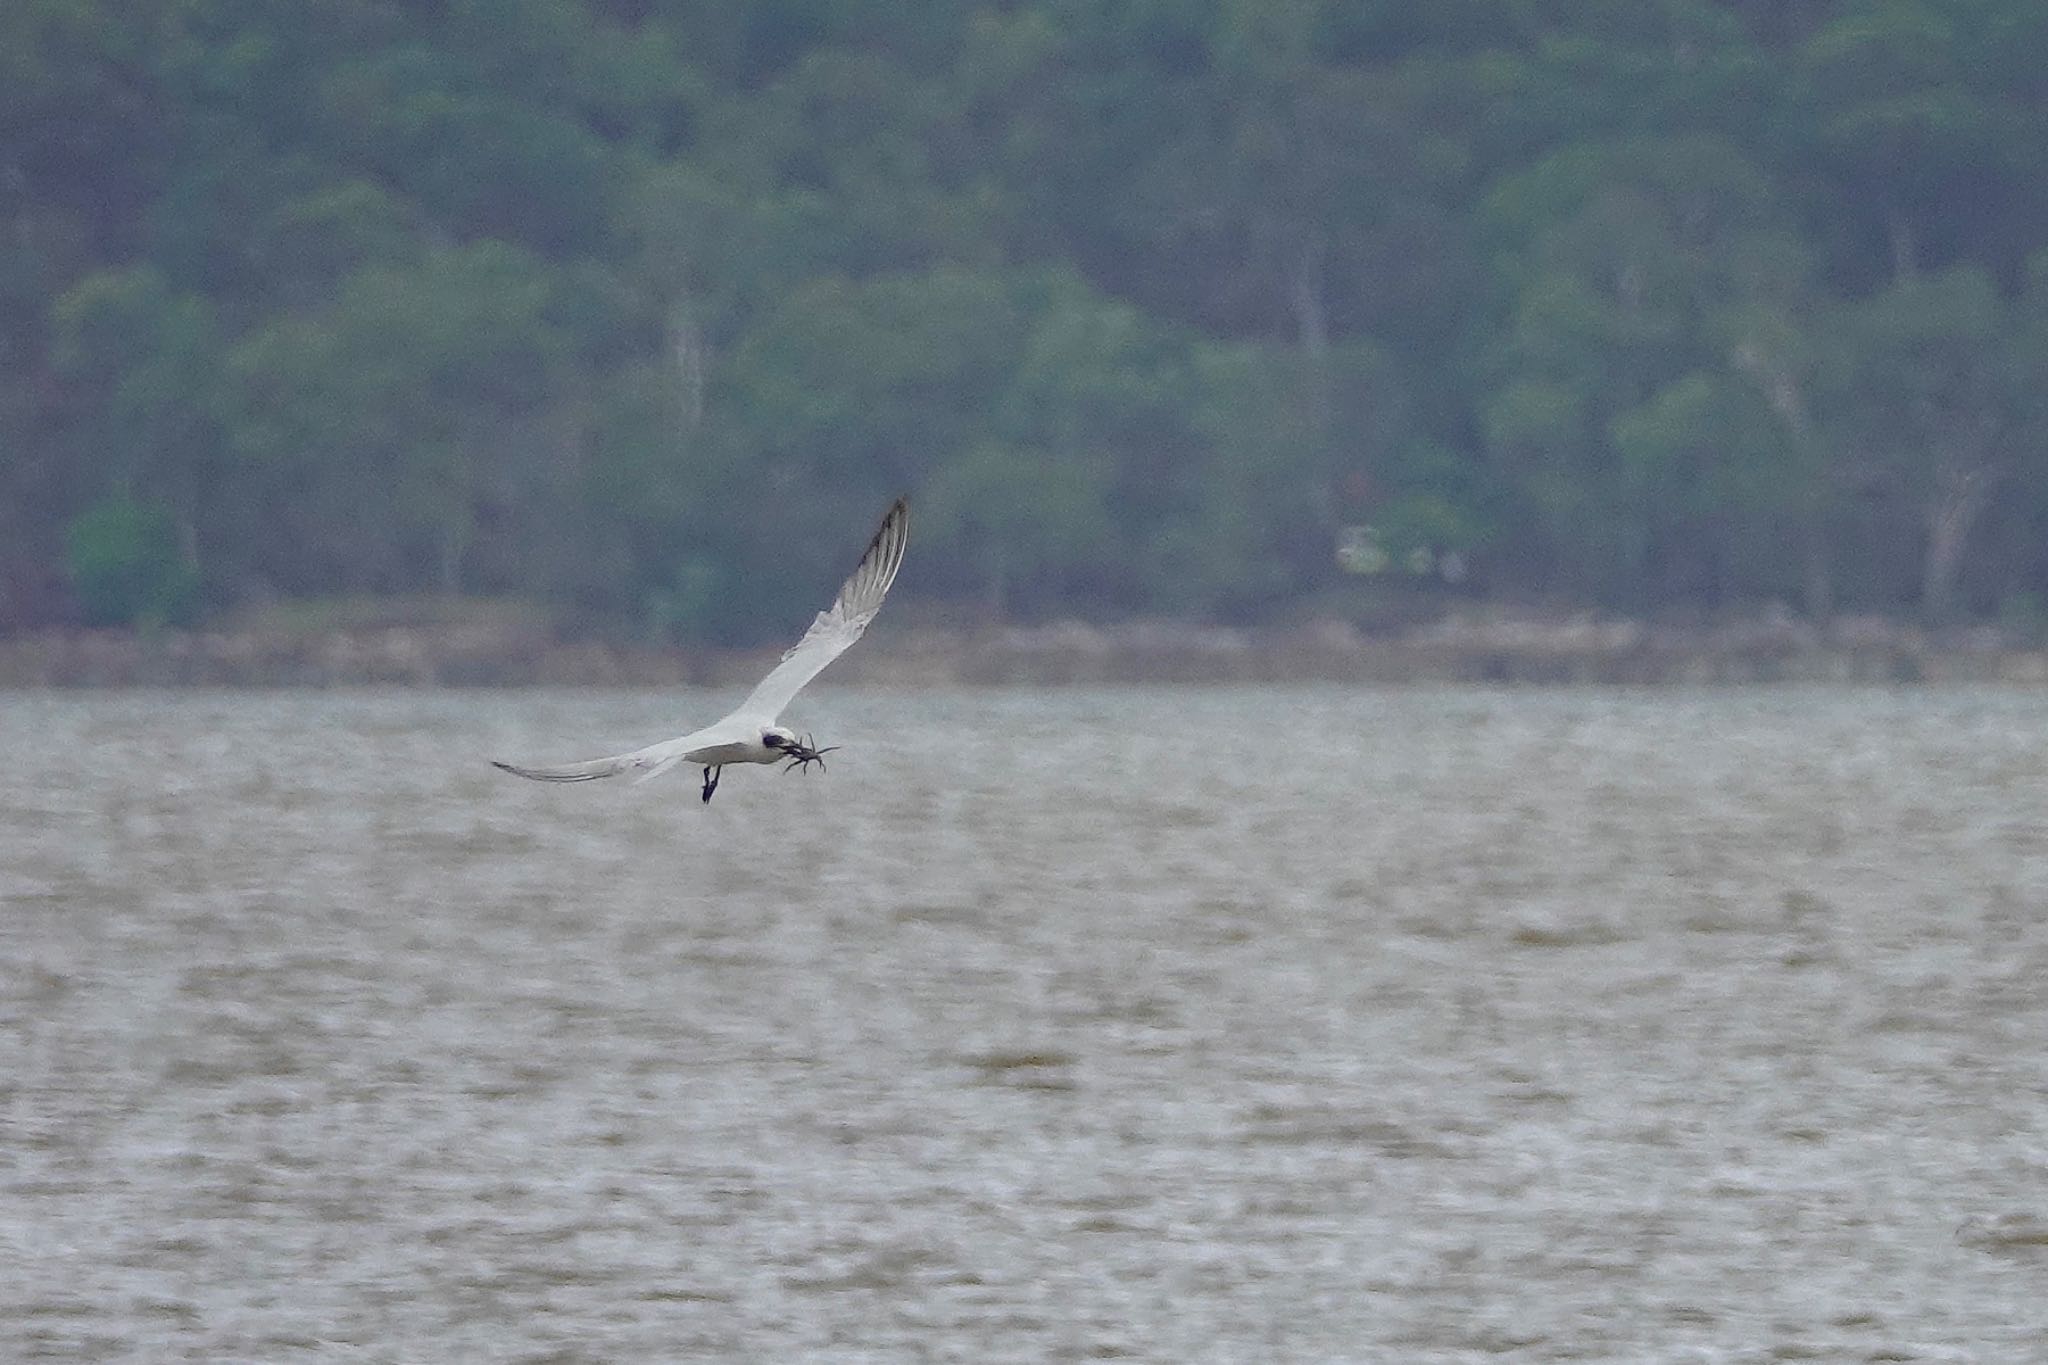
<point x="750" y="734"/>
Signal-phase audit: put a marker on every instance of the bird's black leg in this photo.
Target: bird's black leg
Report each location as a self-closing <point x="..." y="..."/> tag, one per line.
<point x="710" y="782"/>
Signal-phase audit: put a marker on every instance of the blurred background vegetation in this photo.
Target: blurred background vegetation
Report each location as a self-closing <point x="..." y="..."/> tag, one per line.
<point x="642" y="309"/>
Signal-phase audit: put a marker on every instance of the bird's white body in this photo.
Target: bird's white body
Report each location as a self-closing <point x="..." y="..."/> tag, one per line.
<point x="716" y="753"/>
<point x="750" y="733"/>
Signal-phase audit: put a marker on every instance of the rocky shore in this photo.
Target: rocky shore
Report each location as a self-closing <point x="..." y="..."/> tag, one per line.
<point x="1477" y="646"/>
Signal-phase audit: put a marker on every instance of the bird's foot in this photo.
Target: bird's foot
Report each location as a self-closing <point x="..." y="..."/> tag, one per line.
<point x="710" y="782"/>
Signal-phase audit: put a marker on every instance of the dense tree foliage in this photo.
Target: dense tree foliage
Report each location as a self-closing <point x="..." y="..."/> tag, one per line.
<point x="622" y="304"/>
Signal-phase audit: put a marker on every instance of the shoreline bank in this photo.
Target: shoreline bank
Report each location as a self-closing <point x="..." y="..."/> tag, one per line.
<point x="1470" y="648"/>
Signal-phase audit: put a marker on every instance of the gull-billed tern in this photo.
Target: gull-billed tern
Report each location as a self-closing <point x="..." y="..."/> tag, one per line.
<point x="750" y="734"/>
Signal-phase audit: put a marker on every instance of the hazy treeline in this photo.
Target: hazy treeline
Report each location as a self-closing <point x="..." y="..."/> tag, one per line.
<point x="619" y="304"/>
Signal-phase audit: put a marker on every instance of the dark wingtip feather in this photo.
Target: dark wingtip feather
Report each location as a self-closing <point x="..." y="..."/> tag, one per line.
<point x="896" y="518"/>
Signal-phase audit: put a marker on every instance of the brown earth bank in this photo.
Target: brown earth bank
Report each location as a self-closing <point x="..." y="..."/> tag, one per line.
<point x="1476" y="646"/>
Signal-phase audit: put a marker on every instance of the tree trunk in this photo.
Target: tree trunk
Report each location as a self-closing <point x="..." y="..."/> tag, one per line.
<point x="1818" y="588"/>
<point x="1305" y="298"/>
<point x="1961" y="493"/>
<point x="454" y="540"/>
<point x="1905" y="246"/>
<point x="458" y="525"/>
<point x="998" y="581"/>
<point x="1782" y="392"/>
<point x="686" y="344"/>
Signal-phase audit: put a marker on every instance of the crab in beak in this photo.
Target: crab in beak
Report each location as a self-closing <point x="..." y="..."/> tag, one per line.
<point x="805" y="752"/>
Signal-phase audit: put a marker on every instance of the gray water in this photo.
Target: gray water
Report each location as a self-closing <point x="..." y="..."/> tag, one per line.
<point x="1228" y="1025"/>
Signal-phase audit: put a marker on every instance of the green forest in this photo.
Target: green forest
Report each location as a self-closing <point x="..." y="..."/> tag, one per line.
<point x="641" y="310"/>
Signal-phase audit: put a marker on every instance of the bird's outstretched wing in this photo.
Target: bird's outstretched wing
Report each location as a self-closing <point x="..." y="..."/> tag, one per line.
<point x="651" y="761"/>
<point x="837" y="627"/>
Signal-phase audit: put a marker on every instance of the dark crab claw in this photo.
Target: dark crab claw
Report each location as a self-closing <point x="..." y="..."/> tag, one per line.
<point x="805" y="754"/>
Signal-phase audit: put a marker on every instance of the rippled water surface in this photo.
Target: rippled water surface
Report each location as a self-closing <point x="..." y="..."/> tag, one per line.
<point x="1225" y="1025"/>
